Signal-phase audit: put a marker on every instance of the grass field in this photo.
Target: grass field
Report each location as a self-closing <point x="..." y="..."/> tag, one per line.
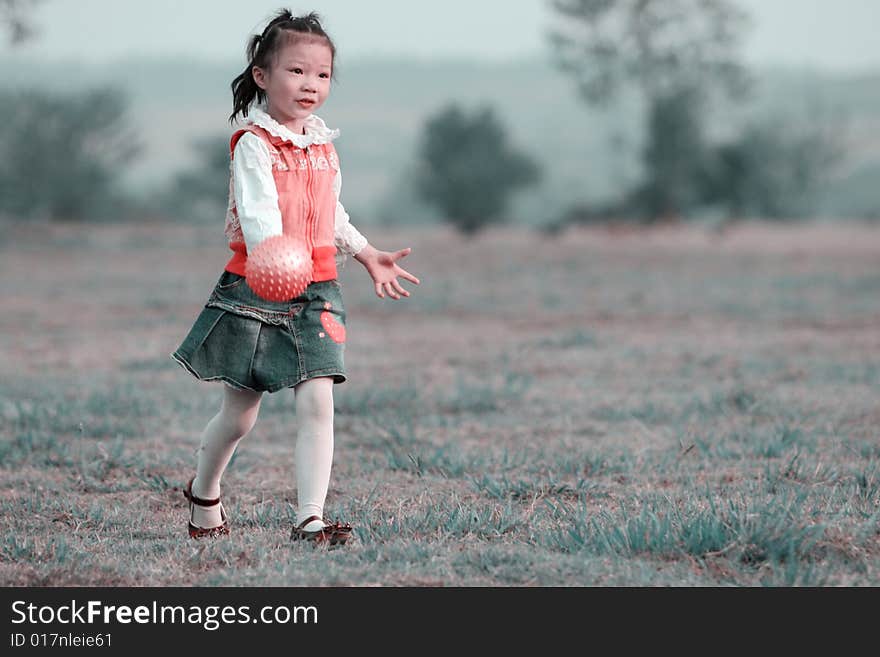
<point x="655" y="407"/>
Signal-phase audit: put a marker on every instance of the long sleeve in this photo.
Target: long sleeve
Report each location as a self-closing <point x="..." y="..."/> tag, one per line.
<point x="256" y="198"/>
<point x="347" y="238"/>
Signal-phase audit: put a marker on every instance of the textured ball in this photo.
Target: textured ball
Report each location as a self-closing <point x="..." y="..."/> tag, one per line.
<point x="279" y="268"/>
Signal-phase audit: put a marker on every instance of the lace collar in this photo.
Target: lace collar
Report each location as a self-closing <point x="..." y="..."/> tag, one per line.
<point x="317" y="131"/>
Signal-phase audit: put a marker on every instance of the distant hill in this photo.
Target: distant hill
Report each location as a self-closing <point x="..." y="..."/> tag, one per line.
<point x="380" y="105"/>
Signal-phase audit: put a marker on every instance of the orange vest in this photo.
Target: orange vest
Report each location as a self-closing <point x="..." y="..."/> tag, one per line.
<point x="304" y="180"/>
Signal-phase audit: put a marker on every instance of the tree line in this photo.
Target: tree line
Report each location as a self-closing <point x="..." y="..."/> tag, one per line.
<point x="64" y="155"/>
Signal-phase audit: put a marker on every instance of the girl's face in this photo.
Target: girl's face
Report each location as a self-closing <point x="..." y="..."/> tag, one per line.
<point x="298" y="82"/>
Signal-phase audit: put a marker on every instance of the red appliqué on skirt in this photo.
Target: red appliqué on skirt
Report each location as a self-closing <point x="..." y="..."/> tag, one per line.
<point x="333" y="328"/>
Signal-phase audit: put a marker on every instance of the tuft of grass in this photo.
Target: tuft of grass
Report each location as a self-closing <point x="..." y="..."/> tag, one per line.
<point x="95" y="463"/>
<point x="795" y="470"/>
<point x="18" y="548"/>
<point x="793" y="572"/>
<point x="583" y="463"/>
<point x="647" y="412"/>
<point x="447" y="518"/>
<point x="447" y="461"/>
<point x="486" y="394"/>
<point x="753" y="534"/>
<point x="373" y="400"/>
<point x="738" y="400"/>
<point x="502" y="563"/>
<point x="867" y="488"/>
<point x="778" y="532"/>
<point x="502" y="488"/>
<point x="154" y="481"/>
<point x="36" y="447"/>
<point x="118" y="409"/>
<point x="775" y="441"/>
<point x="55" y="550"/>
<point x="869" y="450"/>
<point x="267" y="514"/>
<point x="571" y="340"/>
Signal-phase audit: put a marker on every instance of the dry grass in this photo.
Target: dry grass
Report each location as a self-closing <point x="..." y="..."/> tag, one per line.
<point x="607" y="407"/>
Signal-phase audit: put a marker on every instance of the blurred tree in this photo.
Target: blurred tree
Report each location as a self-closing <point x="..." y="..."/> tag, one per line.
<point x="662" y="46"/>
<point x="678" y="54"/>
<point x="675" y="157"/>
<point x="201" y="193"/>
<point x="771" y="170"/>
<point x="468" y="169"/>
<point x="63" y="155"/>
<point x="13" y="16"/>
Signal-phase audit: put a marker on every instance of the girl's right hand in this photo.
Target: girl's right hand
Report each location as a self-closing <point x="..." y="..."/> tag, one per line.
<point x="384" y="270"/>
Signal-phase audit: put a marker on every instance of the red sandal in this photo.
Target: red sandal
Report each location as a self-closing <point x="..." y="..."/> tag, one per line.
<point x="201" y="532"/>
<point x="335" y="533"/>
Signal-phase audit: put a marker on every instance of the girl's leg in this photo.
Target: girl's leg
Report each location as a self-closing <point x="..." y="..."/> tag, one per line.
<point x="236" y="418"/>
<point x="314" y="447"/>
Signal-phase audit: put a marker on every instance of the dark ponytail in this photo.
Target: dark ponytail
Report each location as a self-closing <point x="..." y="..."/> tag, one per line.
<point x="262" y="49"/>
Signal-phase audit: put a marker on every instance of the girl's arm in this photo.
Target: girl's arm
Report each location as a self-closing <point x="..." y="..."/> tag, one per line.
<point x="256" y="198"/>
<point x="348" y="239"/>
<point x="381" y="265"/>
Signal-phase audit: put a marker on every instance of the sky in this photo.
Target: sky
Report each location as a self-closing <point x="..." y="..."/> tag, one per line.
<point x="838" y="36"/>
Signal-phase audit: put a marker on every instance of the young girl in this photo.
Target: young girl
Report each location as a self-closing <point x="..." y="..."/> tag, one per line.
<point x="284" y="179"/>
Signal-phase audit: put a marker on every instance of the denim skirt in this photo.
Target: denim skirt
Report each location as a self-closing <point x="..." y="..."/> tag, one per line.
<point x="264" y="346"/>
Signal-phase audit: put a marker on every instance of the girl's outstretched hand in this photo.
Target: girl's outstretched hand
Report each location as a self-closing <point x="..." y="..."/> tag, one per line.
<point x="383" y="267"/>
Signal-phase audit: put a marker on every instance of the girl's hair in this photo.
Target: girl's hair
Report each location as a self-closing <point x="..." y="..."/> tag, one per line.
<point x="263" y="49"/>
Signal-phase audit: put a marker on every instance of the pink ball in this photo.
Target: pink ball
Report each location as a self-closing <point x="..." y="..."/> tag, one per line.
<point x="279" y="268"/>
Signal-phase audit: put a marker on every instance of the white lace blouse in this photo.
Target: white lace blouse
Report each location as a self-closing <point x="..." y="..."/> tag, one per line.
<point x="256" y="198"/>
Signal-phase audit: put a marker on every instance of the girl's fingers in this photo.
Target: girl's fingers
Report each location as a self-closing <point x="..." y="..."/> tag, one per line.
<point x="391" y="292"/>
<point x="399" y="287"/>
<point x="405" y="274"/>
<point x="379" y="290"/>
<point x="397" y="255"/>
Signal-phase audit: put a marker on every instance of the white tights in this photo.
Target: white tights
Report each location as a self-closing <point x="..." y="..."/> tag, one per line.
<point x="313" y="454"/>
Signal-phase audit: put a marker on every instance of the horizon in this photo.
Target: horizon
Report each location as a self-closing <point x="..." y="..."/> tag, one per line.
<point x="415" y="61"/>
